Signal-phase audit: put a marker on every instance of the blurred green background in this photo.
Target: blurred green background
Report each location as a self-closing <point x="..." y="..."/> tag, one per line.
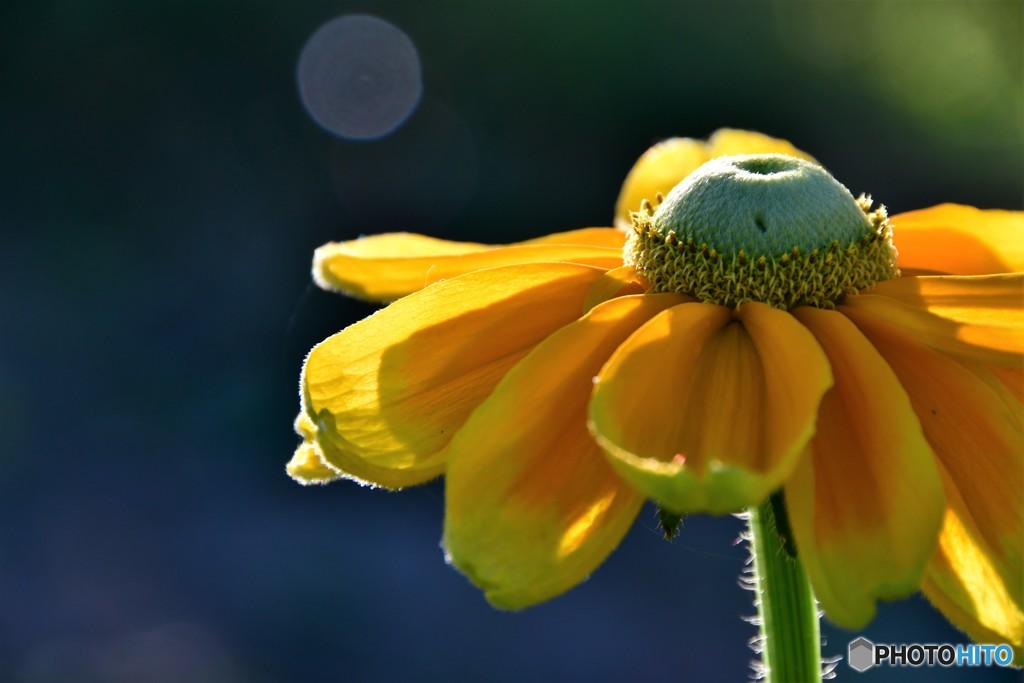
<point x="161" y="192"/>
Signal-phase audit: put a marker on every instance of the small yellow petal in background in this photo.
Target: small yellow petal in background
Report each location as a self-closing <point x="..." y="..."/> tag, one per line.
<point x="980" y="317"/>
<point x="731" y="141"/>
<point x="975" y="425"/>
<point x="664" y="165"/>
<point x="704" y="409"/>
<point x="659" y="169"/>
<point x="532" y="505"/>
<point x="390" y="266"/>
<point x="961" y="240"/>
<point x="865" y="503"/>
<point x="391" y="390"/>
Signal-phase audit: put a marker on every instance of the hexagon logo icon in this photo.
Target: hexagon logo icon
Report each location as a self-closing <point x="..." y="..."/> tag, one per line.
<point x="861" y="654"/>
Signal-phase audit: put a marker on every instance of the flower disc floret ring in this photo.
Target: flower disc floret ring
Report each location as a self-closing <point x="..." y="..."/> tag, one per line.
<point x="768" y="228"/>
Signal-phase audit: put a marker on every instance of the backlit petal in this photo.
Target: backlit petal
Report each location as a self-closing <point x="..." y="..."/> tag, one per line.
<point x="969" y="585"/>
<point x="664" y="165"/>
<point x="865" y="503"/>
<point x="980" y="317"/>
<point x="1012" y="378"/>
<point x="616" y="282"/>
<point x="996" y="300"/>
<point x="387" y="267"/>
<point x="532" y="505"/>
<point x="307" y="465"/>
<point x="592" y="237"/>
<point x="391" y="390"/>
<point x="731" y="141"/>
<point x="962" y="240"/>
<point x="659" y="169"/>
<point x="706" y="409"/>
<point x="974" y="425"/>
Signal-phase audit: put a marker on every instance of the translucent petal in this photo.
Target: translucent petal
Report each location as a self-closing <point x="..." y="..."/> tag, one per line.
<point x="307" y="465"/>
<point x="391" y="390"/>
<point x="975" y="425"/>
<point x="532" y="505"/>
<point x="704" y="409"/>
<point x="616" y="282"/>
<point x="978" y="594"/>
<point x="389" y="266"/>
<point x="980" y="317"/>
<point x="664" y="165"/>
<point x="731" y="141"/>
<point x="659" y="169"/>
<point x="865" y="503"/>
<point x="961" y="240"/>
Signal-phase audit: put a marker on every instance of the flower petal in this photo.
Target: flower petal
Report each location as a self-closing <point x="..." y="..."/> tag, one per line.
<point x="731" y="141"/>
<point x="387" y="267"/>
<point x="1012" y="377"/>
<point x="532" y="506"/>
<point x="593" y="237"/>
<point x="974" y="425"/>
<point x="865" y="503"/>
<point x="706" y="409"/>
<point x="973" y="591"/>
<point x="307" y="465"/>
<point x="616" y="282"/>
<point x="659" y="169"/>
<point x="391" y="390"/>
<point x="664" y="165"/>
<point x="962" y="240"/>
<point x="996" y="300"/>
<point x="980" y="317"/>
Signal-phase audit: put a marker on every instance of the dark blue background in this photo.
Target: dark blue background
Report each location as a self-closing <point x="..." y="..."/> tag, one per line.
<point x="161" y="192"/>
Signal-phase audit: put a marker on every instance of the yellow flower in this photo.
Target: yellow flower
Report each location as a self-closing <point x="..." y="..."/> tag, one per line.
<point x="557" y="389"/>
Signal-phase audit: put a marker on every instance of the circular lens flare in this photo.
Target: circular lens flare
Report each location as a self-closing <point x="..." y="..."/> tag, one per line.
<point x="359" y="77"/>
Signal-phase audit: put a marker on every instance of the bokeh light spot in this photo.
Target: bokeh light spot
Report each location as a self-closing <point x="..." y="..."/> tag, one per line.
<point x="359" y="77"/>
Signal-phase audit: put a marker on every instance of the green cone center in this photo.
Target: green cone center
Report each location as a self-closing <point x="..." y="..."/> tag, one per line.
<point x="765" y="227"/>
<point x="764" y="204"/>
